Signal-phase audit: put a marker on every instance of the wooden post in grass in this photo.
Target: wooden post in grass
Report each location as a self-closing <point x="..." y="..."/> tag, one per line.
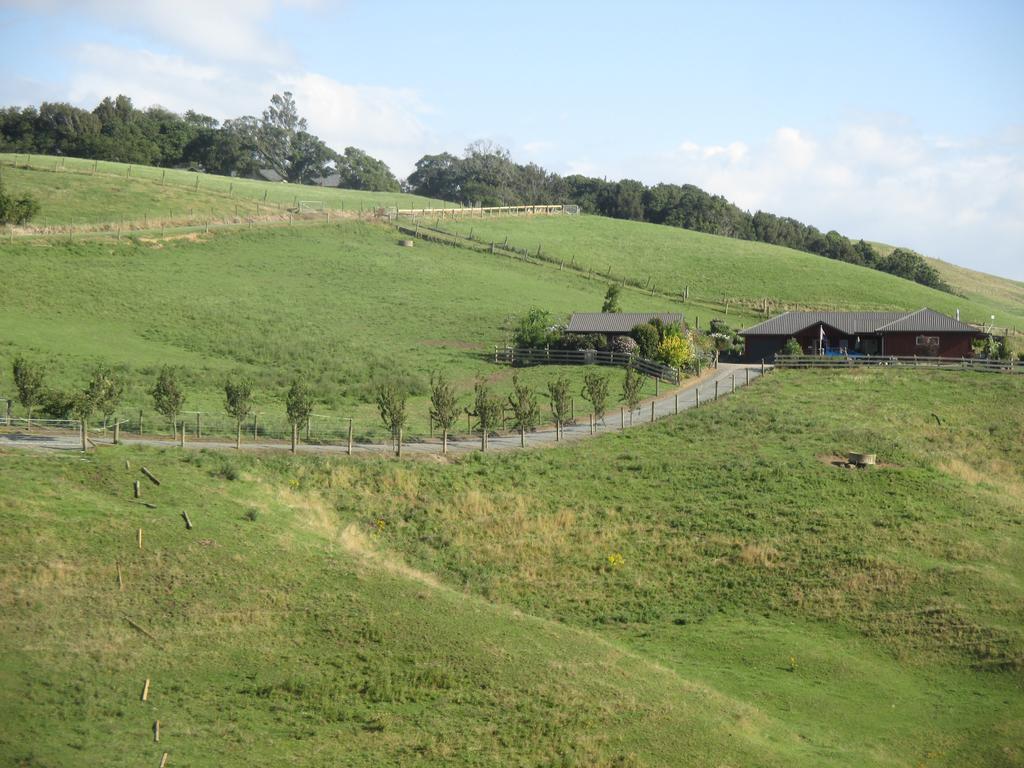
<point x="163" y="760"/>
<point x="139" y="537"/>
<point x="182" y="442"/>
<point x="255" y="427"/>
<point x="591" y="423"/>
<point x="747" y="371"/>
<point x="82" y="430"/>
<point x="762" y="366"/>
<point x="716" y="389"/>
<point x="657" y="386"/>
<point x="188" y="522"/>
<point x="652" y="411"/>
<point x="696" y="397"/>
<point x="295" y="436"/>
<point x="572" y="409"/>
<point x="156" y="731"/>
<point x="145" y="690"/>
<point x="350" y="438"/>
<point x="622" y="417"/>
<point x="398" y="448"/>
<point x="675" y="407"/>
<point x="733" y="389"/>
<point x="199" y="425"/>
<point x="7" y="418"/>
<point x="117" y="431"/>
<point x="136" y="489"/>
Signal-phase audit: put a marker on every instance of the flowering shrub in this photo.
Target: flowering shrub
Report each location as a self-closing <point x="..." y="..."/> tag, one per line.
<point x="624" y="344"/>
<point x="676" y="351"/>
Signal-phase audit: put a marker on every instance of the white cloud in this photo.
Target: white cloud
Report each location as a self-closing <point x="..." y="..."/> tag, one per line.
<point x="229" y="30"/>
<point x="537" y="147"/>
<point x="386" y="122"/>
<point x="957" y="199"/>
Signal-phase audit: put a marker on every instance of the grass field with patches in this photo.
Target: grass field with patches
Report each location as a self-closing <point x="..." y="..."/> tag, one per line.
<point x="343" y="305"/>
<point x="679" y="595"/>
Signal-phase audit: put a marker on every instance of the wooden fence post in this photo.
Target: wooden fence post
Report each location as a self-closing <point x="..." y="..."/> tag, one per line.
<point x="652" y="411"/>
<point x="349" y="453"/>
<point x="182" y="433"/>
<point x="83" y="431"/>
<point x="622" y="417"/>
<point x="733" y="384"/>
<point x="747" y="371"/>
<point x="716" y="389"/>
<point x="696" y="397"/>
<point x="676" y="405"/>
<point x="117" y="431"/>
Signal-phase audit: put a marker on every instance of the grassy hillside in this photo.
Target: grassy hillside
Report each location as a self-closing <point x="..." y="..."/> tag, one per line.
<point x="71" y="191"/>
<point x="719" y="268"/>
<point x="678" y="595"/>
<point x="343" y="304"/>
<point x="1005" y="296"/>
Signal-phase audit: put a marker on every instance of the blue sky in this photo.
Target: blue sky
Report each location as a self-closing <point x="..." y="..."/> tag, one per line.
<point x="899" y="122"/>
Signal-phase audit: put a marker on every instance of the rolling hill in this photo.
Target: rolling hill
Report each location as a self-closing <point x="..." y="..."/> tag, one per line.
<point x="711" y="589"/>
<point x="678" y="595"/>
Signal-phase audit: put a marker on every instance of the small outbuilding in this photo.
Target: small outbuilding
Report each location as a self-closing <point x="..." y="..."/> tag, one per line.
<point x="925" y="333"/>
<point x="617" y="323"/>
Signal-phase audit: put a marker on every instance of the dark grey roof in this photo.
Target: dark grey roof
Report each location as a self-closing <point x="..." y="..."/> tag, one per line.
<point x="922" y="321"/>
<point x="616" y="322"/>
<point x="927" y="320"/>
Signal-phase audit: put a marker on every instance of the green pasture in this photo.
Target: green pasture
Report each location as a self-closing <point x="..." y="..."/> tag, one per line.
<point x="73" y="190"/>
<point x="719" y="269"/>
<point x="343" y="306"/>
<point x="707" y="590"/>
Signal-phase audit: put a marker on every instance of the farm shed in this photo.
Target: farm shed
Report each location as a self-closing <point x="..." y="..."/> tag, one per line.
<point x="925" y="333"/>
<point x="617" y="323"/>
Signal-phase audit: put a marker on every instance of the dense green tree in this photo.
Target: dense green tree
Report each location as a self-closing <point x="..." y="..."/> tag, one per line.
<point x="357" y="170"/>
<point x="534" y="330"/>
<point x="17" y="210"/>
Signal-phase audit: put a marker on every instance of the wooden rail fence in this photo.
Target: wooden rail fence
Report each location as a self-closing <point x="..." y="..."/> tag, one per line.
<point x="945" y="363"/>
<point x="514" y="356"/>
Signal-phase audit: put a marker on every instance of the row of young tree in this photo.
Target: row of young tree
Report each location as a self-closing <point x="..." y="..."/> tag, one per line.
<point x="278" y="140"/>
<point x="486" y="174"/>
<point x="104" y="391"/>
